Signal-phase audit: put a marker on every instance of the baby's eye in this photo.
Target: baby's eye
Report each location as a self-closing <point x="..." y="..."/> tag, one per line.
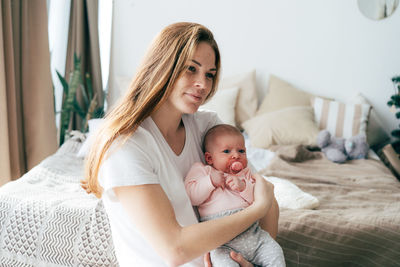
<point x="191" y="68"/>
<point x="226" y="151"/>
<point x="242" y="151"/>
<point x="210" y="76"/>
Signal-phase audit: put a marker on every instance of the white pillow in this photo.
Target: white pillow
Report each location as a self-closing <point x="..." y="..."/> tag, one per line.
<point x="223" y="103"/>
<point x="290" y="196"/>
<point x="94" y="125"/>
<point x="341" y="119"/>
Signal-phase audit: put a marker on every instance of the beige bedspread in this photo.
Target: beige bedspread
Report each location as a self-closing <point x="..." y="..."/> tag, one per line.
<point x="358" y="220"/>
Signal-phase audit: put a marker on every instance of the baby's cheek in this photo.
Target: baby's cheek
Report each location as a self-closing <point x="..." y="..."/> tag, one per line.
<point x="244" y="162"/>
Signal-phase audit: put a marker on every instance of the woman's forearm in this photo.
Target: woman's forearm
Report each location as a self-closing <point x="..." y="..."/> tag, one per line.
<point x="211" y="234"/>
<point x="154" y="217"/>
<point x="269" y="222"/>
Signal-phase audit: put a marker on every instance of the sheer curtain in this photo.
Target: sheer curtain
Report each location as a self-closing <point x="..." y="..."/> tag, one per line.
<point x="27" y="126"/>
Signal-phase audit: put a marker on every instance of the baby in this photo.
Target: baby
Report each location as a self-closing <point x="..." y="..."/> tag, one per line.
<point x="225" y="186"/>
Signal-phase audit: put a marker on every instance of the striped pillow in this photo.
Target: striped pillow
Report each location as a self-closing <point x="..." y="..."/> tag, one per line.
<point x="341" y="119"/>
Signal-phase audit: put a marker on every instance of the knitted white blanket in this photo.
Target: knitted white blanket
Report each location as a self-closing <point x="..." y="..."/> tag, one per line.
<point x="46" y="219"/>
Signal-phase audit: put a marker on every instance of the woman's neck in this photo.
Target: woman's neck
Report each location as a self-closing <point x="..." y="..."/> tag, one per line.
<point x="167" y="121"/>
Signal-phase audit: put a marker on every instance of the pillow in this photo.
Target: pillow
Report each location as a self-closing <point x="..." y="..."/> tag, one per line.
<point x="258" y="158"/>
<point x="94" y="125"/>
<point x="246" y="104"/>
<point x="282" y="95"/>
<point x="340" y="119"/>
<point x="223" y="103"/>
<point x="376" y="135"/>
<point x="290" y="196"/>
<point x="289" y="126"/>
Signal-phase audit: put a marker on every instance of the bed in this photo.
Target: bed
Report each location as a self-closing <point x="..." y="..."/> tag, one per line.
<point x="46" y="219"/>
<point x="330" y="214"/>
<point x="357" y="222"/>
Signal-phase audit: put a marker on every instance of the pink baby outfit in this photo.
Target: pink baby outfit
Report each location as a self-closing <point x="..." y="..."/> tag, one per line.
<point x="211" y="200"/>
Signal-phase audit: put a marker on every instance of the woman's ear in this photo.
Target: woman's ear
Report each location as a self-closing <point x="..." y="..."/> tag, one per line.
<point x="208" y="158"/>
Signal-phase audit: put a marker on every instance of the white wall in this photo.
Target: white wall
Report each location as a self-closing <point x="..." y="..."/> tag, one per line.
<point x="324" y="47"/>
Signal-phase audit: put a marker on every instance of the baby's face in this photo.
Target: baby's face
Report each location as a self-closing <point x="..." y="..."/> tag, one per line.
<point x="227" y="150"/>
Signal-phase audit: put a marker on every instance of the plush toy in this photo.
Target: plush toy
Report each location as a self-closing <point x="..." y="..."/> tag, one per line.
<point x="332" y="147"/>
<point x="357" y="147"/>
<point x="339" y="149"/>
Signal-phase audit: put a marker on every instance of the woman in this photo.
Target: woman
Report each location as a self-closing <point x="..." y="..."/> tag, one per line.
<point x="147" y="144"/>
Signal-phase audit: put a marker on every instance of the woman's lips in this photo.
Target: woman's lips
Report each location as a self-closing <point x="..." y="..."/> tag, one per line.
<point x="195" y="97"/>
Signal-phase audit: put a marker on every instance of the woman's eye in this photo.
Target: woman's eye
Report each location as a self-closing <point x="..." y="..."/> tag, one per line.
<point x="192" y="68"/>
<point x="210" y="76"/>
<point x="226" y="151"/>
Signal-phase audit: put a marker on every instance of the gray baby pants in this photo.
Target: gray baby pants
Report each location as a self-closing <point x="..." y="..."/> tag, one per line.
<point x="255" y="244"/>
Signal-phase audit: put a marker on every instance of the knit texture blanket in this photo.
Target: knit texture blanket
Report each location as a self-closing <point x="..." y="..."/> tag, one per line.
<point x="47" y="219"/>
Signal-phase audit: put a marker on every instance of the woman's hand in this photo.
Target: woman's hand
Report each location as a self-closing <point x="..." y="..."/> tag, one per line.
<point x="263" y="194"/>
<point x="235" y="256"/>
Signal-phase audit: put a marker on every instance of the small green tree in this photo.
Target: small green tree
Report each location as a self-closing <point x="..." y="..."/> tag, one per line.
<point x="394" y="103"/>
<point x="88" y="110"/>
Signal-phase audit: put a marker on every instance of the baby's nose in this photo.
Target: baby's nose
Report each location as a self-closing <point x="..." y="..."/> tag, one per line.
<point x="235" y="154"/>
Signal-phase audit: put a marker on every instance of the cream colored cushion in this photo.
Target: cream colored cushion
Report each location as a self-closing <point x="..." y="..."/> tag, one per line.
<point x="223" y="103"/>
<point x="281" y="95"/>
<point x="341" y="119"/>
<point x="246" y="105"/>
<point x="288" y="126"/>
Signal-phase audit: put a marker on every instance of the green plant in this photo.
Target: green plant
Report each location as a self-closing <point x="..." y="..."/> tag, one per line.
<point x="394" y="103"/>
<point x="89" y="108"/>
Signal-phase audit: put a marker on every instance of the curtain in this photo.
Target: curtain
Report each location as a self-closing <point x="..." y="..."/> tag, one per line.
<point x="27" y="124"/>
<point x="83" y="40"/>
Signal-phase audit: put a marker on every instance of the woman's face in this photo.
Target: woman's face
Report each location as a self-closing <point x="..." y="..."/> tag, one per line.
<point x="193" y="87"/>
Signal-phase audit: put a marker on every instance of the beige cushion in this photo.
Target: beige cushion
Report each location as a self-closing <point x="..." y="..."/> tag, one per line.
<point x="246" y="105"/>
<point x="292" y="125"/>
<point x="341" y="119"/>
<point x="223" y="103"/>
<point x="282" y="95"/>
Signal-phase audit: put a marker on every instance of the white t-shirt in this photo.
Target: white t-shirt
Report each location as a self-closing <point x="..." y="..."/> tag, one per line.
<point x="146" y="158"/>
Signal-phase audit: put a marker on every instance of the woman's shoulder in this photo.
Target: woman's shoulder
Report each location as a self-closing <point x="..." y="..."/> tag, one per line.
<point x="141" y="141"/>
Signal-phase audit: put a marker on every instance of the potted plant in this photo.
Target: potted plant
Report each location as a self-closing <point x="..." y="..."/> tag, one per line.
<point x="394" y="104"/>
<point x="88" y="110"/>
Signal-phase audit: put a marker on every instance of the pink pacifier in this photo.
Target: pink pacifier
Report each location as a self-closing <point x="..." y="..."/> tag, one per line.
<point x="236" y="166"/>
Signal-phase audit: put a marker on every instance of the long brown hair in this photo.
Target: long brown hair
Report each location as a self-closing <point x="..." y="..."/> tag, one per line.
<point x="163" y="64"/>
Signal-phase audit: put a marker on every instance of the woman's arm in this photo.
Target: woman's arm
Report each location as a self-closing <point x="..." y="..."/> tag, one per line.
<point x="269" y="222"/>
<point x="153" y="215"/>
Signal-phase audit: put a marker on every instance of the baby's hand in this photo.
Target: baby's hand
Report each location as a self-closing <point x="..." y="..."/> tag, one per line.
<point x="235" y="183"/>
<point x="217" y="178"/>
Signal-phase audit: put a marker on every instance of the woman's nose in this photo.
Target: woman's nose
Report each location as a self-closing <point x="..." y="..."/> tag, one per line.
<point x="200" y="82"/>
